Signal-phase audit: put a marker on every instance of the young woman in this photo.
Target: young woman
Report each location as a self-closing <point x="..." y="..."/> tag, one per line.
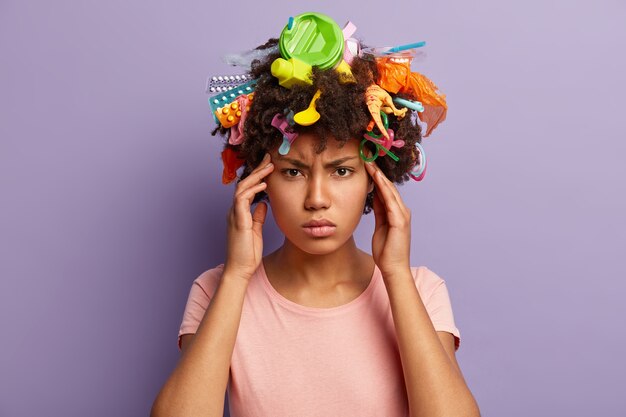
<point x="319" y="327"/>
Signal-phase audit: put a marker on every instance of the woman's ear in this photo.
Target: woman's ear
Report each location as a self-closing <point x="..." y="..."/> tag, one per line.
<point x="371" y="185"/>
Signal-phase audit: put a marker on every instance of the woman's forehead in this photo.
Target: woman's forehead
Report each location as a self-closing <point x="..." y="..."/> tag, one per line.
<point x="306" y="148"/>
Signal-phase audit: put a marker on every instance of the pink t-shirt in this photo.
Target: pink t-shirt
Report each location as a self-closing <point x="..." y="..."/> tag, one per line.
<point x="292" y="360"/>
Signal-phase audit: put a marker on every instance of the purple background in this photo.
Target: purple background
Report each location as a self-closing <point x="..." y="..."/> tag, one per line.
<point x="112" y="202"/>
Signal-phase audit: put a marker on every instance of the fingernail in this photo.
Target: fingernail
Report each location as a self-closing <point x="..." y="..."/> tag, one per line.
<point x="266" y="156"/>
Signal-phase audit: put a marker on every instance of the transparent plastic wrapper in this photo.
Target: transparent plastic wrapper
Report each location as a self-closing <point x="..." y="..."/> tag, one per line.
<point x="398" y="53"/>
<point x="245" y="59"/>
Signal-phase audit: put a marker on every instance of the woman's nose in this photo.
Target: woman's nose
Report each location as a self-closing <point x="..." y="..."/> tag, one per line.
<point x="317" y="196"/>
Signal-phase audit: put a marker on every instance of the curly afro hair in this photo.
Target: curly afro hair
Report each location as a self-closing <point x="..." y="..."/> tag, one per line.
<point x="343" y="110"/>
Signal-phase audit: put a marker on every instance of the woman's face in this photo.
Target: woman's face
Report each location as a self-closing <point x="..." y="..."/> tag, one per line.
<point x="317" y="199"/>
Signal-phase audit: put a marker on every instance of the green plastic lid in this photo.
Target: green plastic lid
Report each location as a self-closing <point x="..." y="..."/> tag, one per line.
<point x="313" y="38"/>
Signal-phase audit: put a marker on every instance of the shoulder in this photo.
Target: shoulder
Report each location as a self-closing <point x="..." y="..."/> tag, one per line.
<point x="202" y="290"/>
<point x="209" y="280"/>
<point x="426" y="280"/>
<point x="434" y="293"/>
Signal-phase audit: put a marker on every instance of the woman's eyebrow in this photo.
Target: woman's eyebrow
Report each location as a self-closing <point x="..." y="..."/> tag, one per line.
<point x="298" y="163"/>
<point x="294" y="162"/>
<point x="339" y="161"/>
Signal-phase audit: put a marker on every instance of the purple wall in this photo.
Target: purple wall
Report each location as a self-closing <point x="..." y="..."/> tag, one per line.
<point x="112" y="202"/>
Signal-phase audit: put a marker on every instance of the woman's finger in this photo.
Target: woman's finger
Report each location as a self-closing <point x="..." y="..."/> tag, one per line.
<point x="383" y="189"/>
<point x="393" y="187"/>
<point x="254" y="179"/>
<point x="243" y="201"/>
<point x="246" y="197"/>
<point x="396" y="212"/>
<point x="262" y="170"/>
<point x="380" y="213"/>
<point x="258" y="217"/>
<point x="373" y="170"/>
<point x="380" y="175"/>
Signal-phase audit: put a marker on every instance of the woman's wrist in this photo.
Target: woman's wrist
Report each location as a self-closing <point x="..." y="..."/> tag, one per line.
<point x="237" y="276"/>
<point x="397" y="274"/>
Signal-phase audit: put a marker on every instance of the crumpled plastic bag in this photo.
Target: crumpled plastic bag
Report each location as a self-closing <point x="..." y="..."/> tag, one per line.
<point x="232" y="163"/>
<point x="396" y="77"/>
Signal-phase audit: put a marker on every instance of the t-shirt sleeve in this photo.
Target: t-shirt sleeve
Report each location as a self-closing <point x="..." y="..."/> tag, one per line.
<point x="434" y="294"/>
<point x="202" y="290"/>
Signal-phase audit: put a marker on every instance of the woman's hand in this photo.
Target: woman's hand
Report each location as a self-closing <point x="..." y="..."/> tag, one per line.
<point x="245" y="237"/>
<point x="391" y="243"/>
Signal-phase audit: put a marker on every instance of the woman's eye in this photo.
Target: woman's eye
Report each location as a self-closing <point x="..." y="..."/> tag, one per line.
<point x="343" y="172"/>
<point x="292" y="172"/>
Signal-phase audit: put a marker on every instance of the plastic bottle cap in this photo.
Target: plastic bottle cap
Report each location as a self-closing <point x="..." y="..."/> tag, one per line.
<point x="313" y="38"/>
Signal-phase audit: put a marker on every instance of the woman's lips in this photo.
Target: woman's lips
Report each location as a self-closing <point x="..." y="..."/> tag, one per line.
<point x="319" y="231"/>
<point x="319" y="228"/>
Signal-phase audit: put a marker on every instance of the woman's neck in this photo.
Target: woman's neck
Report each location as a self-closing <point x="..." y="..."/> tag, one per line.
<point x="347" y="263"/>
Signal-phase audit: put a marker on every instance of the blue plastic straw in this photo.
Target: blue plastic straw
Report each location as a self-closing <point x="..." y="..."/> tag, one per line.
<point x="405" y="47"/>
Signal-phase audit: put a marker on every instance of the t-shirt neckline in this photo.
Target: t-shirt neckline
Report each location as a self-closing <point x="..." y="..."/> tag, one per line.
<point x="293" y="306"/>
